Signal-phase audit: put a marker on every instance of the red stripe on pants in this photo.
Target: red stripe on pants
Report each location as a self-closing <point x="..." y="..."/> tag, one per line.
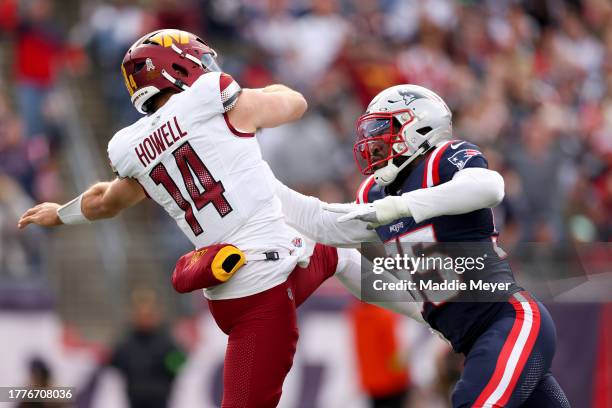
<point x="531" y="339"/>
<point x="263" y="333"/>
<point x="504" y="355"/>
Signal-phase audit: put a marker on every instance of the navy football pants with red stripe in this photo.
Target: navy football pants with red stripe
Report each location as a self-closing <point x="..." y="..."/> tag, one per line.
<point x="509" y="364"/>
<point x="263" y="333"/>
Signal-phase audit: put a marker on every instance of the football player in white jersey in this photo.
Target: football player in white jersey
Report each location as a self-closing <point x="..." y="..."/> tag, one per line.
<point x="195" y="154"/>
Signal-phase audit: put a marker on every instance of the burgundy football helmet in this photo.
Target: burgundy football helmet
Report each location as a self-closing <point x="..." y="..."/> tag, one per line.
<point x="165" y="60"/>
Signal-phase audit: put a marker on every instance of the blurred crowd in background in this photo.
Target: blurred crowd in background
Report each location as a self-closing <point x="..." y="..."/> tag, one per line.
<point x="530" y="82"/>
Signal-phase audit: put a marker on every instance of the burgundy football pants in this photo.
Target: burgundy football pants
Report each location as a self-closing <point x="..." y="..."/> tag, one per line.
<point x="263" y="333"/>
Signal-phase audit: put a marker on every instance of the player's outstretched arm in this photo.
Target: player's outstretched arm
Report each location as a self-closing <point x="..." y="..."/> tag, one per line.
<point x="308" y="215"/>
<point x="469" y="190"/>
<point x="107" y="199"/>
<point x="102" y="200"/>
<point x="268" y="107"/>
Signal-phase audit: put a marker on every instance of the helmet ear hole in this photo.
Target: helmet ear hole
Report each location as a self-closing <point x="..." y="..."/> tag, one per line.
<point x="179" y="69"/>
<point x="138" y="67"/>
<point x="424" y="130"/>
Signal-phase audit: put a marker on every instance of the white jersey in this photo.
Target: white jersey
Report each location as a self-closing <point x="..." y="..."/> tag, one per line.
<point x="211" y="179"/>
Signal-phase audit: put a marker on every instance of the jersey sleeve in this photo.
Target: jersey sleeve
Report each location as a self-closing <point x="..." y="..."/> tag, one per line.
<point x="117" y="157"/>
<point x="230" y="90"/>
<point x="214" y="93"/>
<point x="307" y="215"/>
<point x="450" y="158"/>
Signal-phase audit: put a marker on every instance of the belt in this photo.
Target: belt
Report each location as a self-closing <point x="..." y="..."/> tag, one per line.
<point x="269" y="255"/>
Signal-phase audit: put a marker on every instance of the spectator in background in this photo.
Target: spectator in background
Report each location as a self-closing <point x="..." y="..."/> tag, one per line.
<point x="8" y="15"/>
<point x="13" y="149"/>
<point x="38" y="46"/>
<point x="505" y="69"/>
<point x="426" y="63"/>
<point x="40" y="377"/>
<point x="601" y="213"/>
<point x="256" y="73"/>
<point x="382" y="367"/>
<point x="270" y="31"/>
<point x="576" y="46"/>
<point x="369" y="65"/>
<point x="28" y="161"/>
<point x="295" y="150"/>
<point x="114" y="27"/>
<point x="180" y="14"/>
<point x="316" y="40"/>
<point x="537" y="160"/>
<point x="25" y="172"/>
<point x="148" y="357"/>
<point x="18" y="253"/>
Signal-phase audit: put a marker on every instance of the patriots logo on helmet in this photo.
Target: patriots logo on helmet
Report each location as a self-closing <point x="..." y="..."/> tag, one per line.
<point x="408" y="97"/>
<point x="460" y="158"/>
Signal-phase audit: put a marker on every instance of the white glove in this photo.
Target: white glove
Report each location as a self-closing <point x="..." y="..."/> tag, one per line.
<point x="378" y="213"/>
<point x="343" y="208"/>
<point x="352" y="211"/>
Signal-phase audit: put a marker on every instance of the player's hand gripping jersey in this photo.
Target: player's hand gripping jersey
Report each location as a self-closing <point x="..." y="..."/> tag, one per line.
<point x="211" y="179"/>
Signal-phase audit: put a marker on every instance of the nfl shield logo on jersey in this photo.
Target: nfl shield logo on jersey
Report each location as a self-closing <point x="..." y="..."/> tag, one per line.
<point x="297" y="242"/>
<point x="462" y="156"/>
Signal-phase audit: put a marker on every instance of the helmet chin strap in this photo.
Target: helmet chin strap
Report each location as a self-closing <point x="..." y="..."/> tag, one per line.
<point x="385" y="176"/>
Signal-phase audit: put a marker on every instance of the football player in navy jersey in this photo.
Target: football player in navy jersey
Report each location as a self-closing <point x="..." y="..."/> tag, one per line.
<point x="424" y="186"/>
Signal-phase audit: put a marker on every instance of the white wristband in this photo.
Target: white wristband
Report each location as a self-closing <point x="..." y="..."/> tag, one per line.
<point x="71" y="213"/>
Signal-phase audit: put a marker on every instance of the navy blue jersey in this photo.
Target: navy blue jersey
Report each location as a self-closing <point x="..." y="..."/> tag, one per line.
<point x="460" y="320"/>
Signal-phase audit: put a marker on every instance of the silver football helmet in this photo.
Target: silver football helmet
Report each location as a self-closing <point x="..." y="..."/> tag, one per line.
<point x="404" y="120"/>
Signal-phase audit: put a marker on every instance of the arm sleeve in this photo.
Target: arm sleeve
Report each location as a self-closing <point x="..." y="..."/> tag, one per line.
<point x="470" y="189"/>
<point x="306" y="214"/>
